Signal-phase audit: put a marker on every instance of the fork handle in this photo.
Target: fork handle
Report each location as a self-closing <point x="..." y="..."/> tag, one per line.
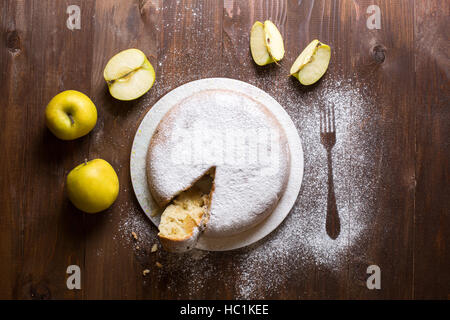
<point x="333" y="225"/>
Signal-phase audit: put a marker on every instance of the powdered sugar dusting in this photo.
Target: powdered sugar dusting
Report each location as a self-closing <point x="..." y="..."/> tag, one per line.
<point x="301" y="240"/>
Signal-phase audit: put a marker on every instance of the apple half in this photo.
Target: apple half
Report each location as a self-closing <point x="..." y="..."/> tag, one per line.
<point x="129" y="75"/>
<point x="266" y="43"/>
<point x="312" y="63"/>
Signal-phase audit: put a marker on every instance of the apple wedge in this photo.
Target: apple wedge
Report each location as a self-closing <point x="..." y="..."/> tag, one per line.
<point x="266" y="43"/>
<point x="312" y="63"/>
<point x="129" y="75"/>
<point x="258" y="47"/>
<point x="274" y="40"/>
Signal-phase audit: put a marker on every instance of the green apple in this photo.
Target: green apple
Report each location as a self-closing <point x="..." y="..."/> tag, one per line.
<point x="93" y="186"/>
<point x="70" y="115"/>
<point x="129" y="75"/>
<point x="266" y="43"/>
<point x="312" y="63"/>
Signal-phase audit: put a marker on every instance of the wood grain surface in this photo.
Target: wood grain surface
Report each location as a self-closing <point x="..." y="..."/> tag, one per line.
<point x="391" y="161"/>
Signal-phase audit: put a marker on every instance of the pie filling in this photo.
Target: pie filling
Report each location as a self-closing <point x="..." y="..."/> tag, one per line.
<point x="189" y="210"/>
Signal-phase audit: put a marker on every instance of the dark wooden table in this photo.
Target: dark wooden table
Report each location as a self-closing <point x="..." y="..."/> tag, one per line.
<point x="390" y="88"/>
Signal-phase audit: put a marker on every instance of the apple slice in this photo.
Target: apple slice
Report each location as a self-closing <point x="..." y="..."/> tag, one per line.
<point x="266" y="43"/>
<point x="258" y="47"/>
<point x="129" y="75"/>
<point x="312" y="63"/>
<point x="274" y="41"/>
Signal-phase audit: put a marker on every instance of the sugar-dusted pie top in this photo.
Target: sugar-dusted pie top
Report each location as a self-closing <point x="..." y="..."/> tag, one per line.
<point x="235" y="137"/>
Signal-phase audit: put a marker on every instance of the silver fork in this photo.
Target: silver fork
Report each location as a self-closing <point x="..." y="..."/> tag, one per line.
<point x="328" y="139"/>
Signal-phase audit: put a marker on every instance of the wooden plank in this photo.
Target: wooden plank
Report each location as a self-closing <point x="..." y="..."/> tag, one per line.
<point x="432" y="68"/>
<point x="111" y="268"/>
<point x="384" y="62"/>
<point x="41" y="64"/>
<point x="11" y="238"/>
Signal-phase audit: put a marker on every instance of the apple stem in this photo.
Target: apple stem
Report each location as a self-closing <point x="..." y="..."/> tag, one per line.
<point x="71" y="119"/>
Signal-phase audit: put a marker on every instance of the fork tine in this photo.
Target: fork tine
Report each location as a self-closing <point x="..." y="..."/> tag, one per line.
<point x="333" y="119"/>
<point x="329" y="119"/>
<point x="321" y="123"/>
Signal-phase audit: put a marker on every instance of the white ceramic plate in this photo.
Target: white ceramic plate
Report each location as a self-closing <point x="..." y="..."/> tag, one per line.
<point x="156" y="113"/>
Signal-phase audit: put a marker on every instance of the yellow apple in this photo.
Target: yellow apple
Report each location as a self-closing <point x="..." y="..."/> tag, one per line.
<point x="129" y="75"/>
<point x="266" y="43"/>
<point x="312" y="63"/>
<point x="70" y="115"/>
<point x="93" y="186"/>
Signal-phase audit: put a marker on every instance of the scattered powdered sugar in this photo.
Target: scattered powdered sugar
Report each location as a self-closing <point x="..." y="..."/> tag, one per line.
<point x="137" y="222"/>
<point x="302" y="238"/>
<point x="264" y="268"/>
